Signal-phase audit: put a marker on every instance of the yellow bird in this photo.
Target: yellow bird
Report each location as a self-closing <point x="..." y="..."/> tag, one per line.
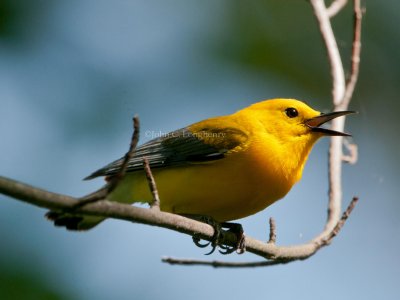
<point x="226" y="168"/>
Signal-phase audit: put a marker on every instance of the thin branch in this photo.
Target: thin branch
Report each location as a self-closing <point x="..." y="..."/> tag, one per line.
<point x="355" y="55"/>
<point x="335" y="61"/>
<point x="152" y="184"/>
<point x="335" y="7"/>
<point x="223" y="264"/>
<point x="272" y="231"/>
<point x="352" y="149"/>
<point x="335" y="231"/>
<point x="114" y="180"/>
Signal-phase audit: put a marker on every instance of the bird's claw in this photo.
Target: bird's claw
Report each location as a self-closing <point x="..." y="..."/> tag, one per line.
<point x="213" y="243"/>
<point x="213" y="247"/>
<point x="240" y="246"/>
<point x="232" y="227"/>
<point x="196" y="241"/>
<point x="226" y="249"/>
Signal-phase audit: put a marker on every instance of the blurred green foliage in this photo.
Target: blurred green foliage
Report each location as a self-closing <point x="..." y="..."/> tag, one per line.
<point x="26" y="284"/>
<point x="274" y="38"/>
<point x="19" y="19"/>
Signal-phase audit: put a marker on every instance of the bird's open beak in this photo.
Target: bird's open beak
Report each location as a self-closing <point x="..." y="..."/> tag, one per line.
<point x="315" y="122"/>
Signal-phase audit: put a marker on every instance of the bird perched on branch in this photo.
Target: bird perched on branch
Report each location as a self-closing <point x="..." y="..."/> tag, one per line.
<point x="225" y="168"/>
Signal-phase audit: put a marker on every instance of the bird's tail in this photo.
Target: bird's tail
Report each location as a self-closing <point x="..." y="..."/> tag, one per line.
<point x="123" y="194"/>
<point x="75" y="222"/>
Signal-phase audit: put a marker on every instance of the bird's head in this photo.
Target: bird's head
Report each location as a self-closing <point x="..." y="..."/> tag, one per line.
<point x="293" y="121"/>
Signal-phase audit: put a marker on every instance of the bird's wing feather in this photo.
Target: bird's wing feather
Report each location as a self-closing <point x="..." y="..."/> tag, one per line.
<point x="180" y="147"/>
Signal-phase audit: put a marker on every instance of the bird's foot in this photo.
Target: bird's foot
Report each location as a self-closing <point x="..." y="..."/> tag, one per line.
<point x="217" y="233"/>
<point x="240" y="246"/>
<point x="218" y="230"/>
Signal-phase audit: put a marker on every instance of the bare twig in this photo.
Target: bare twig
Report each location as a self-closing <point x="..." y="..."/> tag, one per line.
<point x="152" y="184"/>
<point x="335" y="61"/>
<point x="335" y="7"/>
<point x="114" y="180"/>
<point x="272" y="231"/>
<point x="335" y="231"/>
<point x="355" y="55"/>
<point x="352" y="149"/>
<point x="223" y="264"/>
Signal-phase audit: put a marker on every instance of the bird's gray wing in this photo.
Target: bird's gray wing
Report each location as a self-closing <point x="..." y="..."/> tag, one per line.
<point x="179" y="148"/>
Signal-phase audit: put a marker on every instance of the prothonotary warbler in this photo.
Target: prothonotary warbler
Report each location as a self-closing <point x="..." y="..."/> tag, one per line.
<point x="226" y="167"/>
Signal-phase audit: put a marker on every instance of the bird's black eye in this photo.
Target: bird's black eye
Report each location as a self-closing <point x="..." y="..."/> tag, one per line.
<point x="291" y="112"/>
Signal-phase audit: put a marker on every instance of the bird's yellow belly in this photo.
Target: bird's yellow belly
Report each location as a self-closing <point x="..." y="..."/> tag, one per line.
<point x="225" y="190"/>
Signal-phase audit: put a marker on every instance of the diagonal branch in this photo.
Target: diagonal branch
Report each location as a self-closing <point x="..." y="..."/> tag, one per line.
<point x="114" y="180"/>
<point x="152" y="185"/>
<point x="104" y="208"/>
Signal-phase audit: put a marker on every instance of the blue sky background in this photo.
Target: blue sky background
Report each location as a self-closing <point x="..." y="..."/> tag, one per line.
<point x="72" y="75"/>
